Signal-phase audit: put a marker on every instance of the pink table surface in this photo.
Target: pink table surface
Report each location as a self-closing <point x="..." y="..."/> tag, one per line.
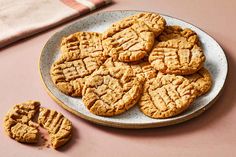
<point x="211" y="134"/>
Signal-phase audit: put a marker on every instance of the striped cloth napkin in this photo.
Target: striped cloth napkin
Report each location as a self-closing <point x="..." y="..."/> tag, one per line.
<point x="22" y="18"/>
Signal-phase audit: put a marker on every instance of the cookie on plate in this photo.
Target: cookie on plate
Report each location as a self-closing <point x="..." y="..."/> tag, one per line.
<point x="18" y="122"/>
<point x="82" y="55"/>
<point x="177" y="51"/>
<point x="154" y="21"/>
<point x="112" y="90"/>
<point x="201" y="80"/>
<point x="69" y="72"/>
<point x="83" y="43"/>
<point x="144" y="68"/>
<point x="58" y="127"/>
<point x="166" y="96"/>
<point x="128" y="41"/>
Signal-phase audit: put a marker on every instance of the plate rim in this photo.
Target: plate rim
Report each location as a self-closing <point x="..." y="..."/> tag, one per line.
<point x="131" y="125"/>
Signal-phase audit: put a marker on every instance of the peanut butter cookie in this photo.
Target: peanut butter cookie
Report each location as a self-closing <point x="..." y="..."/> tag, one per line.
<point x="18" y="122"/>
<point x="69" y="72"/>
<point x="177" y="52"/>
<point x="112" y="90"/>
<point x="128" y="41"/>
<point x="166" y="96"/>
<point x="58" y="127"/>
<point x="154" y="21"/>
<point x="201" y="80"/>
<point x="144" y="68"/>
<point x="83" y="43"/>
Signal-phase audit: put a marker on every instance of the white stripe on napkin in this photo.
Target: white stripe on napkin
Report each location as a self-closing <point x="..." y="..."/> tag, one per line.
<point x="87" y="3"/>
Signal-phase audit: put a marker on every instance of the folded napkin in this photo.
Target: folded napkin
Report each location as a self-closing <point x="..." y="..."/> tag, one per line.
<point x="22" y="18"/>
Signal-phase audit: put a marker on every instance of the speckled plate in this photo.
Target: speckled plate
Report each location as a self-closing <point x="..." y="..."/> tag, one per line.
<point x="215" y="61"/>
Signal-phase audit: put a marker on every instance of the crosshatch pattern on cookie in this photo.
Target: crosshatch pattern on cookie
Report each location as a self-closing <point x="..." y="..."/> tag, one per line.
<point x="83" y="43"/>
<point x="166" y="96"/>
<point x="58" y="127"/>
<point x="177" y="52"/>
<point x="112" y="89"/>
<point x="18" y="122"/>
<point x="143" y="68"/>
<point x="128" y="41"/>
<point x="155" y="22"/>
<point x="70" y="71"/>
<point x="201" y="80"/>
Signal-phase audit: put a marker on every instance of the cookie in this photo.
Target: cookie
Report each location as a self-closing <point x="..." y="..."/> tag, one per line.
<point x="128" y="41"/>
<point x="186" y="36"/>
<point x="201" y="80"/>
<point x="154" y="21"/>
<point x="58" y="127"/>
<point x="144" y="68"/>
<point x="18" y="122"/>
<point x="69" y="72"/>
<point x="83" y="43"/>
<point x="82" y="55"/>
<point x="166" y="96"/>
<point x="112" y="90"/>
<point x="177" y="52"/>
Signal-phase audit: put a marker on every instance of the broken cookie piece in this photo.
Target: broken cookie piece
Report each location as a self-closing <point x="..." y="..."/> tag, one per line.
<point x="58" y="127"/>
<point x="18" y="122"/>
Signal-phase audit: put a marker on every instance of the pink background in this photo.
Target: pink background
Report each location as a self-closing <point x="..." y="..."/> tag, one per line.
<point x="211" y="134"/>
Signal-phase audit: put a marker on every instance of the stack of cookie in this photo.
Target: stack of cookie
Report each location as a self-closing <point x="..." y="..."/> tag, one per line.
<point x="137" y="61"/>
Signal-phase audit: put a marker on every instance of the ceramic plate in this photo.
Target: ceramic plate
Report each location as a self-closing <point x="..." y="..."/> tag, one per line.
<point x="216" y="63"/>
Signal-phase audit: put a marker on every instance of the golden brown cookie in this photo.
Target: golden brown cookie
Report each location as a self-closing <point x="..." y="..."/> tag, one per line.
<point x="83" y="43"/>
<point x="112" y="90"/>
<point x="176" y="33"/>
<point x="201" y="80"/>
<point x="128" y="41"/>
<point x="154" y="21"/>
<point x="69" y="72"/>
<point x="177" y="52"/>
<point x="166" y="96"/>
<point x="18" y="122"/>
<point x="58" y="127"/>
<point x="143" y="68"/>
<point x="83" y="54"/>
